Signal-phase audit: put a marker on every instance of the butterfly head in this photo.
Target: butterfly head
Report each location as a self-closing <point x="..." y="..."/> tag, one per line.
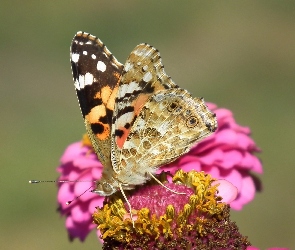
<point x="104" y="188"/>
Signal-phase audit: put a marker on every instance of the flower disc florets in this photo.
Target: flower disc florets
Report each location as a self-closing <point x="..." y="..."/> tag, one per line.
<point x="165" y="220"/>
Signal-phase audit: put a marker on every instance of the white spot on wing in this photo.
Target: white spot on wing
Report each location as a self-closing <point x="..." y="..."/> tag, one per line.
<point x="85" y="52"/>
<point x="75" y="57"/>
<point x="101" y="66"/>
<point x="147" y="77"/>
<point x="84" y="80"/>
<point x="93" y="56"/>
<point x="88" y="78"/>
<point x="128" y="66"/>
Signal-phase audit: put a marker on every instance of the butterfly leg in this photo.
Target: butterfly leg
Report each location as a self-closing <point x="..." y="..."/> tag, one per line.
<point x="150" y="174"/>
<point x="128" y="203"/>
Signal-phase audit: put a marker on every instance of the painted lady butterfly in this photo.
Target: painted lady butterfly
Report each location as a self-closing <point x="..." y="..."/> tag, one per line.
<point x="136" y="117"/>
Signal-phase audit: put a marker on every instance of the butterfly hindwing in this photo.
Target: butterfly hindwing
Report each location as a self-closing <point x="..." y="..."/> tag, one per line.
<point x="96" y="74"/>
<point x="169" y="124"/>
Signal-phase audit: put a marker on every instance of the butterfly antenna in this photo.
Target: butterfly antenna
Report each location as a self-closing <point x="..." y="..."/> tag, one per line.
<point x="163" y="184"/>
<point x="77" y="197"/>
<point x="56" y="181"/>
<point x="64" y="181"/>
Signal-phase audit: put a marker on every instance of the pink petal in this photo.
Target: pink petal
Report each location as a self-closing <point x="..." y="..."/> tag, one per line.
<point x="211" y="157"/>
<point x="72" y="151"/>
<point x="222" y="113"/>
<point x="80" y="214"/>
<point x="96" y="202"/>
<point x="257" y="166"/>
<point x="247" y="161"/>
<point x="96" y="173"/>
<point x="89" y="161"/>
<point x="226" y="190"/>
<point x="169" y="167"/>
<point x="191" y="166"/>
<point x="187" y="159"/>
<point x="233" y="176"/>
<point x="246" y="193"/>
<point x="64" y="195"/>
<point x="78" y="230"/>
<point x="241" y="129"/>
<point x="73" y="175"/>
<point x="211" y="105"/>
<point x="231" y="158"/>
<point x="244" y="141"/>
<point x="226" y="136"/>
<point x="212" y="170"/>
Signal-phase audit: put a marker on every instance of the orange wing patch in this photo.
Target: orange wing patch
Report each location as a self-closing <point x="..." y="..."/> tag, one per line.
<point x="96" y="114"/>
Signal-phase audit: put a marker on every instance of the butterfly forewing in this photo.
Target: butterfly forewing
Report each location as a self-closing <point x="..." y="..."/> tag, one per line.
<point x="96" y="76"/>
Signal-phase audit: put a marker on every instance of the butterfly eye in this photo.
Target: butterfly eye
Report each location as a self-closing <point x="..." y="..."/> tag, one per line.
<point x="104" y="189"/>
<point x="107" y="187"/>
<point x="192" y="121"/>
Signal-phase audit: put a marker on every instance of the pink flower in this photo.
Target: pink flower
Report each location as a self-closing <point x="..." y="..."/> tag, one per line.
<point x="227" y="154"/>
<point x="194" y="220"/>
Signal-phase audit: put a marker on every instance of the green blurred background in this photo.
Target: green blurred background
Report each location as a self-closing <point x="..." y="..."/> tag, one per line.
<point x="237" y="54"/>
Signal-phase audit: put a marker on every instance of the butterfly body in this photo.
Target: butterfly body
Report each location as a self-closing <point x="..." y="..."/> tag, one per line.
<point x="136" y="117"/>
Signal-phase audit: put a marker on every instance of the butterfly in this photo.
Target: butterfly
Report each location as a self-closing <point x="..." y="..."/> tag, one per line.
<point x="136" y="117"/>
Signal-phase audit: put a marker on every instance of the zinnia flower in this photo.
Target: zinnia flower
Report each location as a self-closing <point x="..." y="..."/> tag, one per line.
<point x="227" y="154"/>
<point x="165" y="220"/>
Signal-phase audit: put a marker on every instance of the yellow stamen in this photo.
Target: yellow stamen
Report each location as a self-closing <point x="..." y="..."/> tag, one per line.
<point x="113" y="219"/>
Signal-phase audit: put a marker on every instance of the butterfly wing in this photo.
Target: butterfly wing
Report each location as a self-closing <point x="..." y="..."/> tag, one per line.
<point x="143" y="75"/>
<point x="96" y="74"/>
<point x="169" y="124"/>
